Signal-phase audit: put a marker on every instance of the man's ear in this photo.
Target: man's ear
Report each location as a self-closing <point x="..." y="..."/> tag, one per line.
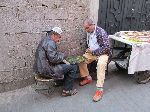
<point x="52" y="36"/>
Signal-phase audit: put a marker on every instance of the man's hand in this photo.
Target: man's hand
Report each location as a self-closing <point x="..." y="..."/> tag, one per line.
<point x="88" y="50"/>
<point x="66" y="62"/>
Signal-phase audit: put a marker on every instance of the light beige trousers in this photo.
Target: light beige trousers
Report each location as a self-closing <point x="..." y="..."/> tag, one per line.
<point x="101" y="67"/>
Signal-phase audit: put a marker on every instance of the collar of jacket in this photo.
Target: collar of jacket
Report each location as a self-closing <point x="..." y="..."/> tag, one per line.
<point x="98" y="31"/>
<point x="49" y="38"/>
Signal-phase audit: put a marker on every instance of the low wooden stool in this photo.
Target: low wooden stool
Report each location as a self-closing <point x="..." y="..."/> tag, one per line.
<point x="49" y="81"/>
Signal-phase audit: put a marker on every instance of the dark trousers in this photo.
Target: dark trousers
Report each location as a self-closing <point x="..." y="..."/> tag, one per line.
<point x="70" y="73"/>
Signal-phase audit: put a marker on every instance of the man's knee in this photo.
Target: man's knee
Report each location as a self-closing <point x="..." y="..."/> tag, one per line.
<point x="73" y="67"/>
<point x="101" y="64"/>
<point x="73" y="70"/>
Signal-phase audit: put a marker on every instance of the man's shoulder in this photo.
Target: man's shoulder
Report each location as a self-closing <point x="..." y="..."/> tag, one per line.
<point x="46" y="41"/>
<point x="99" y="29"/>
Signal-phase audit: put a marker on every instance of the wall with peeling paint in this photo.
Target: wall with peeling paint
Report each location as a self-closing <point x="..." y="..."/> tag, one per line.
<point x="22" y="26"/>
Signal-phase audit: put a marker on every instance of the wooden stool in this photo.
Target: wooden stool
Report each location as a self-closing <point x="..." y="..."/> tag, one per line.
<point x="45" y="80"/>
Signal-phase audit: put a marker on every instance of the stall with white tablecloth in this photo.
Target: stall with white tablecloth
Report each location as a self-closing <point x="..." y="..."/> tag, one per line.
<point x="135" y="54"/>
<point x="139" y="55"/>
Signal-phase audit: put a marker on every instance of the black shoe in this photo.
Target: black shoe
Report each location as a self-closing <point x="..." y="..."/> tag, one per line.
<point x="69" y="93"/>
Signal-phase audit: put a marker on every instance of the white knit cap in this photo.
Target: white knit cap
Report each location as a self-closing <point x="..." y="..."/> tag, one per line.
<point x="57" y="30"/>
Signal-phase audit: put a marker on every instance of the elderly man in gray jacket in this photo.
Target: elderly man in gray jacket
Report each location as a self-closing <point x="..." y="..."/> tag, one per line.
<point x="51" y="63"/>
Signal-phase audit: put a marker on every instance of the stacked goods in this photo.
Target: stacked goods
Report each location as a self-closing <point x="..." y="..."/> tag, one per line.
<point x="75" y="59"/>
<point x="136" y="36"/>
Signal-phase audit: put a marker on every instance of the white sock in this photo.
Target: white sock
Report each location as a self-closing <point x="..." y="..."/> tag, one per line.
<point x="89" y="77"/>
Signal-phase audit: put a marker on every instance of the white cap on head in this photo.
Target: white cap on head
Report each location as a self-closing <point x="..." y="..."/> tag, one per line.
<point x="57" y="30"/>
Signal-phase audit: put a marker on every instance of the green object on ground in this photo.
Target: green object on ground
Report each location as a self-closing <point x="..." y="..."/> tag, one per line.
<point x="75" y="59"/>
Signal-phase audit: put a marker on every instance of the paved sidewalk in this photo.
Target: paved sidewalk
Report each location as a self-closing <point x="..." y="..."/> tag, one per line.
<point x="122" y="94"/>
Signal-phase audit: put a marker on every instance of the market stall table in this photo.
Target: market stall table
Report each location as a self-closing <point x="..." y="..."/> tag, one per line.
<point x="139" y="54"/>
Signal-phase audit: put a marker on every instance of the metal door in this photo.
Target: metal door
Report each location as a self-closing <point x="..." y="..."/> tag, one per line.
<point x="117" y="15"/>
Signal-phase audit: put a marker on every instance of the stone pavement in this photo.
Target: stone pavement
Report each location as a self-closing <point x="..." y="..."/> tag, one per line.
<point x="122" y="94"/>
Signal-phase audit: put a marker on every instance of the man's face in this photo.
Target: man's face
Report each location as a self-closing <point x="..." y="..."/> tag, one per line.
<point x="88" y="28"/>
<point x="56" y="38"/>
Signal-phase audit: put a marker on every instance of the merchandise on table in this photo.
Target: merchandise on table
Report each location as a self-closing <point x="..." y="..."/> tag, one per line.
<point x="135" y="36"/>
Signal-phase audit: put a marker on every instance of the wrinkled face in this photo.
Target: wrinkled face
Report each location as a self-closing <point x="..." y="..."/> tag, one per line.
<point x="89" y="28"/>
<point x="56" y="37"/>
